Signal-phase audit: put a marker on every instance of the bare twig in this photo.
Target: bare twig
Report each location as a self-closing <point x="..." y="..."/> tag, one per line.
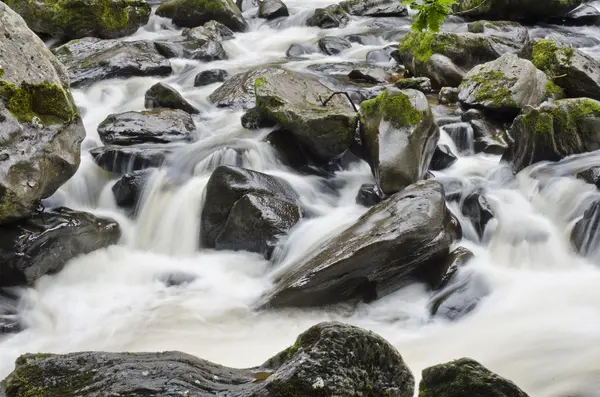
<point x="472" y="9"/>
<point x="324" y="103"/>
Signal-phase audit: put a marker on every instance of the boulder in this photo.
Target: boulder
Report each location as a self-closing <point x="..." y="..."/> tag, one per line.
<point x="210" y="31"/>
<point x="368" y="195"/>
<point x="488" y="138"/>
<point x="505" y="86"/>
<point x="45" y="242"/>
<point x="237" y="92"/>
<point x="422" y="84"/>
<point x="300" y="50"/>
<point x="128" y="190"/>
<point x="458" y="258"/>
<point x="383" y="56"/>
<point x="259" y="206"/>
<point x="328" y="358"/>
<point x="39" y="123"/>
<point x="331" y="45"/>
<point x="210" y="76"/>
<point x="10" y="321"/>
<point x="527" y="10"/>
<point x="460" y="296"/>
<point x="399" y="136"/>
<point x="150" y="126"/>
<point x="504" y="36"/>
<point x="162" y="95"/>
<point x="402" y="239"/>
<point x="374" y="8"/>
<point x="253" y="120"/>
<point x="330" y="17"/>
<point x="192" y="13"/>
<point x="370" y="75"/>
<point x="448" y="95"/>
<point x="245" y="5"/>
<point x="204" y="51"/>
<point x="124" y="159"/>
<point x="90" y="60"/>
<point x="271" y="9"/>
<point x="591" y="175"/>
<point x="476" y="208"/>
<point x="442" y="158"/>
<point x="75" y="19"/>
<point x="465" y="377"/>
<point x="584" y="236"/>
<point x="553" y="131"/>
<point x="577" y="73"/>
<point x="297" y="103"/>
<point x="585" y="14"/>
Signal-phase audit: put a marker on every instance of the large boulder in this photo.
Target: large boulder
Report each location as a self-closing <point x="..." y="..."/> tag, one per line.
<point x="43" y="243"/>
<point x="192" y="13"/>
<point x="586" y="14"/>
<point x="39" y="123"/>
<point x="125" y="159"/>
<point x="333" y="16"/>
<point x="246" y="210"/>
<point x="505" y="36"/>
<point x="150" y="126"/>
<point x="399" y="136"/>
<point x="402" y="239"/>
<point x="237" y="92"/>
<point x="297" y="103"/>
<point x="332" y="45"/>
<point x="74" y="19"/>
<point x="162" y="95"/>
<point x="328" y="359"/>
<point x="505" y="86"/>
<point x="526" y="10"/>
<point x="465" y="377"/>
<point x="89" y="60"/>
<point x="553" y="131"/>
<point x="374" y="8"/>
<point x="271" y="9"/>
<point x="574" y="71"/>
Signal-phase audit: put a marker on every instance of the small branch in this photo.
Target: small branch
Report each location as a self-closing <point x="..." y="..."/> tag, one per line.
<point x="472" y="9"/>
<point x="324" y="103"/>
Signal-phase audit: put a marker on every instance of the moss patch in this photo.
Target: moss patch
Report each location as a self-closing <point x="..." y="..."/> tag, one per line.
<point x="47" y="101"/>
<point x="491" y="88"/>
<point x="170" y="8"/>
<point x="395" y="109"/>
<point x="551" y="58"/>
<point x="418" y="44"/>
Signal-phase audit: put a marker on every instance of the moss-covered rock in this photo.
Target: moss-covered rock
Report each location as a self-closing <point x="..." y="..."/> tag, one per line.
<point x="400" y="136"/>
<point x="39" y="122"/>
<point x="73" y="19"/>
<point x="525" y="10"/>
<point x="553" y="131"/>
<point x="237" y="92"/>
<point x="192" y="13"/>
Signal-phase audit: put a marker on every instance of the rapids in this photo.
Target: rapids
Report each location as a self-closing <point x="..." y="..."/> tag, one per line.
<point x="539" y="326"/>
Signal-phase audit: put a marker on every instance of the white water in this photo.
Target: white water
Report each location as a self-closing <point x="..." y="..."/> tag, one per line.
<point x="539" y="326"/>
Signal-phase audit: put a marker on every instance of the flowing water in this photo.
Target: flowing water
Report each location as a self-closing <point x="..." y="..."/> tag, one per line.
<point x="538" y="326"/>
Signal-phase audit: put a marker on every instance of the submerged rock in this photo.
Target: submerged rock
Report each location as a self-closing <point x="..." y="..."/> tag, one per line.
<point x="458" y="258"/>
<point x="43" y="243"/>
<point x="162" y="95"/>
<point x="192" y="13"/>
<point x="300" y="50"/>
<point x="124" y="159"/>
<point x="271" y="9"/>
<point x="526" y="10"/>
<point x="74" y="19"/>
<point x="478" y="210"/>
<point x="40" y="126"/>
<point x="210" y="76"/>
<point x="402" y="239"/>
<point x="90" y="60"/>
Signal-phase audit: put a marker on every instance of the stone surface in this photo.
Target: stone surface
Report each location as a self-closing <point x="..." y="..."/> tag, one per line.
<point x="422" y="84"/>
<point x="128" y="190"/>
<point x="368" y="195"/>
<point x="210" y="76"/>
<point x="442" y="158"/>
<point x="192" y="13"/>
<point x="332" y="16"/>
<point x="584" y="235"/>
<point x="162" y="95"/>
<point x="331" y="45"/>
<point x="374" y="8"/>
<point x="125" y="159"/>
<point x="271" y="9"/>
<point x="238" y="91"/>
<point x="526" y="10"/>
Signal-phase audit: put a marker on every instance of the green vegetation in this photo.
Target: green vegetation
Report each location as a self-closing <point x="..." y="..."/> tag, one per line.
<point x="430" y="13"/>
<point x="395" y="109"/>
<point x="47" y="101"/>
<point x="491" y="88"/>
<point x="552" y="58"/>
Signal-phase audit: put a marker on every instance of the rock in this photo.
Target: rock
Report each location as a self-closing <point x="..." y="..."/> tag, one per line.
<point x="39" y="123"/>
<point x="295" y="101"/>
<point x="333" y="69"/>
<point x="572" y="70"/>
<point x="128" y="190"/>
<point x="403" y="238"/>
<point x="169" y="49"/>
<point x="300" y="50"/>
<point x="245" y="5"/>
<point x="124" y="159"/>
<point x="162" y="95"/>
<point x="488" y="138"/>
<point x="456" y="260"/>
<point x="177" y="279"/>
<point x="328" y="358"/>
<point x="210" y="76"/>
<point x="43" y="243"/>
<point x="205" y="51"/>
<point x="553" y="131"/>
<point x="270" y="209"/>
<point x="330" y="45"/>
<point x="477" y="209"/>
<point x="150" y="126"/>
<point x="504" y="36"/>
<point x="527" y="11"/>
<point x="370" y="75"/>
<point x="472" y="114"/>
<point x="330" y="17"/>
<point x="442" y="158"/>
<point x="505" y="86"/>
<point x="374" y="8"/>
<point x="591" y="175"/>
<point x="422" y="84"/>
<point x="75" y="19"/>
<point x="192" y="13"/>
<point x="210" y="31"/>
<point x="10" y="321"/>
<point x="448" y="95"/>
<point x="400" y="136"/>
<point x="271" y="9"/>
<point x="90" y="60"/>
<point x="237" y="92"/>
<point x="460" y="297"/>
<point x="586" y="14"/>
<point x="368" y="195"/>
<point x="584" y="235"/>
<point x="376" y="57"/>
<point x="253" y="120"/>
<point x="463" y="378"/>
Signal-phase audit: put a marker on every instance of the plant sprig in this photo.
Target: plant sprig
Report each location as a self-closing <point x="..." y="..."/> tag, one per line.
<point x="430" y="13"/>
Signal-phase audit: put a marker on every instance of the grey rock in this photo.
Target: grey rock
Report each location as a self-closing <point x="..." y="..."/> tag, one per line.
<point x="245" y="5"/>
<point x="374" y="8"/>
<point x="442" y="158"/>
<point x="210" y="76"/>
<point x="422" y="84"/>
<point x="330" y="45"/>
<point x="271" y="9"/>
<point x="448" y="95"/>
<point x="124" y="159"/>
<point x="300" y="50"/>
<point x="368" y="195"/>
<point x="205" y="51"/>
<point x="332" y="16"/>
<point x="162" y="95"/>
<point x="585" y="14"/>
<point x="238" y="91"/>
<point x="372" y="75"/>
<point x="128" y="190"/>
<point x="187" y="13"/>
<point x="584" y="236"/>
<point x="527" y="10"/>
<point x="210" y="31"/>
<point x="478" y="210"/>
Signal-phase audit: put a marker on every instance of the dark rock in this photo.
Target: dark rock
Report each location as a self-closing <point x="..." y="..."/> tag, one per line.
<point x="237" y="92"/>
<point x="448" y="95"/>
<point x="10" y="321"/>
<point x="330" y="17"/>
<point x="330" y="45"/>
<point x="294" y="155"/>
<point x="472" y="114"/>
<point x="124" y="159"/>
<point x="210" y="31"/>
<point x="504" y="36"/>
<point x="374" y="8"/>
<point x="591" y="175"/>
<point x="465" y="378"/>
<point x="442" y="158"/>
<point x="460" y="297"/>
<point x="300" y="50"/>
<point x="422" y="84"/>
<point x="177" y="279"/>
<point x="444" y="120"/>
<point x="210" y="76"/>
<point x="527" y="11"/>
<point x="90" y="60"/>
<point x="584" y="236"/>
<point x="253" y="120"/>
<point x="368" y="195"/>
<point x="150" y="126"/>
<point x="456" y="260"/>
<point x="585" y="14"/>
<point x="245" y="5"/>
<point x="477" y="209"/>
<point x="488" y="138"/>
<point x="129" y="189"/>
<point x="370" y="75"/>
<point x="162" y="95"/>
<point x="403" y="238"/>
<point x="205" y="51"/>
<point x="43" y="243"/>
<point x="271" y="9"/>
<point x="169" y="49"/>
<point x="462" y="135"/>
<point x="189" y="13"/>
<point x="333" y="69"/>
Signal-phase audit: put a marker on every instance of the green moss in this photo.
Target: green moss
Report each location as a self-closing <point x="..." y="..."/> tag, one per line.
<point x="491" y="88"/>
<point x="475" y="27"/>
<point x="552" y="90"/>
<point x="551" y="58"/>
<point x="171" y="7"/>
<point x="47" y="101"/>
<point x="395" y="109"/>
<point x="418" y="44"/>
<point x="1" y="72"/>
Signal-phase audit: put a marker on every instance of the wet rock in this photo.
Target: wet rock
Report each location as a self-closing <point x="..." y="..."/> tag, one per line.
<point x="328" y="358"/>
<point x="75" y="19"/>
<point x="577" y="73"/>
<point x="150" y="126"/>
<point x="210" y="31"/>
<point x="162" y="95"/>
<point x="584" y="236"/>
<point x="456" y="260"/>
<point x="400" y="136"/>
<point x="289" y="150"/>
<point x="591" y="175"/>
<point x="43" y="243"/>
<point x="368" y="195"/>
<point x="210" y="76"/>
<point x="253" y="120"/>
<point x="237" y="92"/>
<point x="380" y="56"/>
<point x="333" y="69"/>
<point x="527" y="11"/>
<point x="505" y="86"/>
<point x="442" y="158"/>
<point x="10" y="321"/>
<point x="128" y="190"/>
<point x="422" y="84"/>
<point x="465" y="377"/>
<point x="330" y="45"/>
<point x="246" y="210"/>
<point x="177" y="279"/>
<point x="472" y="114"/>
<point x="271" y="9"/>
<point x="295" y="101"/>
<point x="205" y="51"/>
<point x="585" y="14"/>
<point x="460" y="296"/>
<point x="300" y="50"/>
<point x="124" y="159"/>
<point x="370" y="75"/>
<point x="374" y="8"/>
<point x="448" y="95"/>
<point x="488" y="138"/>
<point x="504" y="36"/>
<point x="403" y="238"/>
<point x="169" y="50"/>
<point x="39" y="123"/>
<point x="330" y="17"/>
<point x="90" y="60"/>
<point x="189" y="13"/>
<point x="553" y="131"/>
<point x="245" y="5"/>
<point x="478" y="210"/>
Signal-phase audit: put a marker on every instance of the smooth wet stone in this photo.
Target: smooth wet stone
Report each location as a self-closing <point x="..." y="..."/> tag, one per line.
<point x="238" y="91"/>
<point x="478" y="210"/>
<point x="458" y="258"/>
<point x="442" y="158"/>
<point x="331" y="45"/>
<point x="129" y="189"/>
<point x="368" y="195"/>
<point x="271" y="9"/>
<point x="332" y="16"/>
<point x="448" y="95"/>
<point x="162" y="95"/>
<point x="125" y="159"/>
<point x="584" y="236"/>
<point x="192" y="13"/>
<point x="210" y="76"/>
<point x="300" y="50"/>
<point x="372" y="75"/>
<point x="591" y="175"/>
<point x="422" y="84"/>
